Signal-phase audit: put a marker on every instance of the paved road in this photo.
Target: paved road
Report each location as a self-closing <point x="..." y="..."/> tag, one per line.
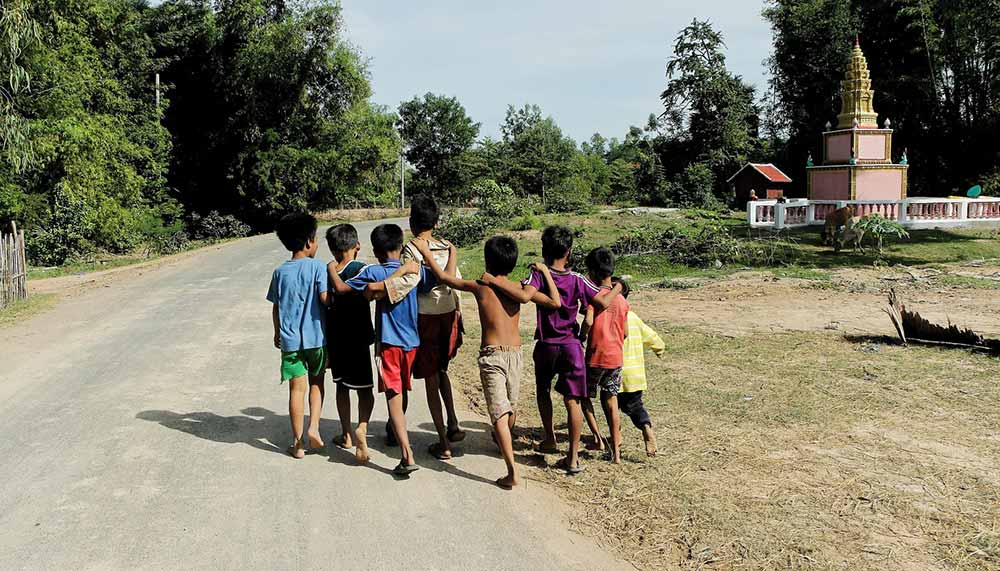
<point x="144" y="427"/>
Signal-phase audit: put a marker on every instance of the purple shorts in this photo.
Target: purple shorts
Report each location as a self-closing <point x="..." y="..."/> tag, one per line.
<point x="565" y="360"/>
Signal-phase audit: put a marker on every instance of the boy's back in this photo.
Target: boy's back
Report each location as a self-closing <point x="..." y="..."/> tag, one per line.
<point x="396" y="322"/>
<point x="349" y="315"/>
<point x="560" y="325"/>
<point x="607" y="336"/>
<point x="295" y="288"/>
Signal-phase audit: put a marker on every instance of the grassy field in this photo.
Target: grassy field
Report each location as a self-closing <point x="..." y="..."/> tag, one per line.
<point x="809" y="259"/>
<point x="20" y="310"/>
<point x="784" y="448"/>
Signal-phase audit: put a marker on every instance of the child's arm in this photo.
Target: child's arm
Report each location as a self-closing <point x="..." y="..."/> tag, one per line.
<point x="446" y="276"/>
<point x="276" y="321"/>
<point x="339" y="286"/>
<point x="651" y="339"/>
<point x="588" y="323"/>
<point x="602" y="302"/>
<point x="378" y="290"/>
<point x="521" y="293"/>
<point x="552" y="299"/>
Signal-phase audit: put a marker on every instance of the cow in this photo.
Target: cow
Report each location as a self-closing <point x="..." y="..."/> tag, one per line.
<point x="834" y="221"/>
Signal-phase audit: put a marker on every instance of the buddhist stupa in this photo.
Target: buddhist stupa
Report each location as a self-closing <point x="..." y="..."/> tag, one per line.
<point x="857" y="155"/>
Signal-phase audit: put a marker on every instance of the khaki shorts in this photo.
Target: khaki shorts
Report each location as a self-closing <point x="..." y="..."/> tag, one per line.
<point x="500" y="370"/>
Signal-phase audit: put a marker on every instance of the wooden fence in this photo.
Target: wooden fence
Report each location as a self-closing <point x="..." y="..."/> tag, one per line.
<point x="13" y="269"/>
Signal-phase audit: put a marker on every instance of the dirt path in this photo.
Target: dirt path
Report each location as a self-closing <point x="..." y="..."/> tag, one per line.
<point x="144" y="428"/>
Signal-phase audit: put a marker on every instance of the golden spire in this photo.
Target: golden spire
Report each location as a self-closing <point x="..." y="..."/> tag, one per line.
<point x="857" y="93"/>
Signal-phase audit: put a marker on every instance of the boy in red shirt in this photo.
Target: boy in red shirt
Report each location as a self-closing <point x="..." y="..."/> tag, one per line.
<point x="605" y="347"/>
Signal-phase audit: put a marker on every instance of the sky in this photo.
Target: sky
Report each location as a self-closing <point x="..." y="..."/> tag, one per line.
<point x="594" y="66"/>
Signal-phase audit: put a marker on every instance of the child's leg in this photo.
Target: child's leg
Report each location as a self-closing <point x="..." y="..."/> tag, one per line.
<point x="502" y="428"/>
<point x="366" y="403"/>
<point x="296" y="413"/>
<point x="344" y="412"/>
<point x="544" y="356"/>
<point x="588" y="414"/>
<point x="574" y="415"/>
<point x="317" y="391"/>
<point x="544" y="400"/>
<point x="443" y="448"/>
<point x="448" y="398"/>
<point x="609" y="402"/>
<point x="397" y="417"/>
<point x="649" y="437"/>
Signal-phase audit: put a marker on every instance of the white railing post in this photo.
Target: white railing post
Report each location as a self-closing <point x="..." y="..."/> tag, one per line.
<point x="751" y="213"/>
<point x="810" y="214"/>
<point x="779" y="216"/>
<point x="963" y="210"/>
<point x="903" y="207"/>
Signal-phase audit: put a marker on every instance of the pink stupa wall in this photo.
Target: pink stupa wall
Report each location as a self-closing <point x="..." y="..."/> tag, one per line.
<point x="830" y="184"/>
<point x="879" y="184"/>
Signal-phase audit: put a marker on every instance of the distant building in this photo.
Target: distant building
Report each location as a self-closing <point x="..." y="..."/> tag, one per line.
<point x="766" y="180"/>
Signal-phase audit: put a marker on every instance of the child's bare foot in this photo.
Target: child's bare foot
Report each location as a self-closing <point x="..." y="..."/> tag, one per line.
<point x="597" y="444"/>
<point x="361" y="454"/>
<point x="508" y="481"/>
<point x="315" y="441"/>
<point x="650" y="438"/>
<point x="296" y="450"/>
<point x="344" y="441"/>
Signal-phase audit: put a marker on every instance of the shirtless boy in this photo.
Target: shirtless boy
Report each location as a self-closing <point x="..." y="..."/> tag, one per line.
<point x="500" y="359"/>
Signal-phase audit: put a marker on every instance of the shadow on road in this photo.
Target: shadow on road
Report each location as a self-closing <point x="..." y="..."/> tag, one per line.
<point x="263" y="429"/>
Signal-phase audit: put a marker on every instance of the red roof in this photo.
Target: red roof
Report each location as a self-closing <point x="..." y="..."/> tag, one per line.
<point x="770" y="172"/>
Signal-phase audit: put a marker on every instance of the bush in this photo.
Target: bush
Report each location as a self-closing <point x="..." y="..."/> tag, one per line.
<point x="528" y="222"/>
<point x="497" y="202"/>
<point x="463" y="230"/>
<point x="169" y="243"/>
<point x="215" y="226"/>
<point x="707" y="247"/>
<point x="693" y="189"/>
<point x="571" y="195"/>
<point x="880" y="228"/>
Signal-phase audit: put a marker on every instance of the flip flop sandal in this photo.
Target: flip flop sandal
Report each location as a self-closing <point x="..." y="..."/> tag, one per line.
<point x="546" y="450"/>
<point x="456" y="434"/>
<point x="438" y="452"/>
<point x="570" y="470"/>
<point x="403" y="470"/>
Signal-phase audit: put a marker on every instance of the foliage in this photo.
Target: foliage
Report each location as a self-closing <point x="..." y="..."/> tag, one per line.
<point x="523" y="223"/>
<point x="879" y="228"/>
<point x="463" y="230"/>
<point x="537" y="154"/>
<point x="18" y="32"/>
<point x="497" y="202"/>
<point x="694" y="188"/>
<point x="571" y="195"/>
<point x="707" y="246"/>
<point x="437" y="133"/>
<point x="215" y="226"/>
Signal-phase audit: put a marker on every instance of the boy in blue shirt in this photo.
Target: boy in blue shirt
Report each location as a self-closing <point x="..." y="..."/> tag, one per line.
<point x="396" y="325"/>
<point x="298" y="294"/>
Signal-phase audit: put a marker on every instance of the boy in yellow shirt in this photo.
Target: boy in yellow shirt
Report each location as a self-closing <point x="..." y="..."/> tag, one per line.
<point x="640" y="336"/>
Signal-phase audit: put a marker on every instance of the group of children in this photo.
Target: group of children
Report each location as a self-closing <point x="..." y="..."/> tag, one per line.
<point x="322" y="319"/>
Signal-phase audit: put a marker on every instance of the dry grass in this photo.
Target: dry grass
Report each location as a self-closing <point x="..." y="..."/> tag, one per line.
<point x="803" y="450"/>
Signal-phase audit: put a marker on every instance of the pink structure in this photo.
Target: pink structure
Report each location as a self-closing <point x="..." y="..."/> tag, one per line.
<point x="857" y="155"/>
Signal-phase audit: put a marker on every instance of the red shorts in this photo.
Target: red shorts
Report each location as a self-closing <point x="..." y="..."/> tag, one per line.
<point x="440" y="338"/>
<point x="395" y="365"/>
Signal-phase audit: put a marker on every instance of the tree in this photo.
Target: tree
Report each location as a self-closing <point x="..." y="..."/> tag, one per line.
<point x="18" y="32"/>
<point x="706" y="105"/>
<point x="437" y="133"/>
<point x="538" y="153"/>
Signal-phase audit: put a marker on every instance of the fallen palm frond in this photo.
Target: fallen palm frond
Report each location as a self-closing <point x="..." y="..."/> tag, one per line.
<point x="911" y="327"/>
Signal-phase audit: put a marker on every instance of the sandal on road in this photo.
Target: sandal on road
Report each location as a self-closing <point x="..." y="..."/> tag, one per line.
<point x="403" y="470"/>
<point x="570" y="470"/>
<point x="456" y="434"/>
<point x="439" y="452"/>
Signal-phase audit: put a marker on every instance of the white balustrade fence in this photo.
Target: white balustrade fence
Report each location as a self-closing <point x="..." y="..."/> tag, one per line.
<point x="910" y="212"/>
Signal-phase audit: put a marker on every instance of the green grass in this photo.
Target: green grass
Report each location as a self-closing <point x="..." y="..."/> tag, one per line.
<point x="21" y="310"/>
<point x="85" y="267"/>
<point x="966" y="282"/>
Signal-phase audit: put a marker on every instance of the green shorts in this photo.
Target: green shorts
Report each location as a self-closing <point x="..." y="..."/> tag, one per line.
<point x="311" y="362"/>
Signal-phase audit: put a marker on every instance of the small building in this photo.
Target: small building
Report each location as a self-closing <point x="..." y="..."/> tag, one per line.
<point x="766" y="180"/>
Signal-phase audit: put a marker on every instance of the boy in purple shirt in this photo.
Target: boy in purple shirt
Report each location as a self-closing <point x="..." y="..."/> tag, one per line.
<point x="558" y="351"/>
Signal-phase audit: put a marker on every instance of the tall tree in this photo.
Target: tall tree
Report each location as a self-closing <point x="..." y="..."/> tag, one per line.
<point x="713" y="109"/>
<point x="539" y="154"/>
<point x="437" y="133"/>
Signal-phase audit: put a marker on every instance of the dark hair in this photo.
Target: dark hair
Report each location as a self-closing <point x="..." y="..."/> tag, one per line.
<point x="341" y="238"/>
<point x="500" y="253"/>
<point x="557" y="241"/>
<point x="295" y="230"/>
<point x="387" y="238"/>
<point x="600" y="262"/>
<point x="424" y="213"/>
<point x="625" y="287"/>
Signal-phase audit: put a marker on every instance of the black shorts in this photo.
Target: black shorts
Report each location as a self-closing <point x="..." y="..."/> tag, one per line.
<point x="352" y="367"/>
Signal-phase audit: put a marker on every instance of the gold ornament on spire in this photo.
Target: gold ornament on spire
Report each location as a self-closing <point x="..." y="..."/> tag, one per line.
<point x="857" y="95"/>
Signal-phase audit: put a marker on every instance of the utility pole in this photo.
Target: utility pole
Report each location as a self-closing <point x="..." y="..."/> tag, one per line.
<point x="402" y="182"/>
